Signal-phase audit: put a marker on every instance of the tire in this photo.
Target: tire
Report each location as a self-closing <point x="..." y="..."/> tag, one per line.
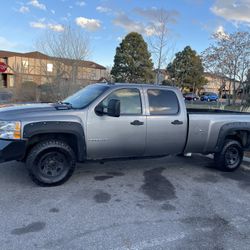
<point x="230" y="157"/>
<point x="51" y="163"/>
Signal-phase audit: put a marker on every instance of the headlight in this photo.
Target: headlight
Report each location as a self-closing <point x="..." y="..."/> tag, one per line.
<point x="10" y="130"/>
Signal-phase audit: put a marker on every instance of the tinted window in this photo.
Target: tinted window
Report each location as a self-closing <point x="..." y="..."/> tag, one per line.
<point x="129" y="98"/>
<point x="162" y="102"/>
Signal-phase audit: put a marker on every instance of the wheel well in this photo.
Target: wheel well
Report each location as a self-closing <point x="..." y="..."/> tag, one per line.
<point x="242" y="136"/>
<point x="71" y="139"/>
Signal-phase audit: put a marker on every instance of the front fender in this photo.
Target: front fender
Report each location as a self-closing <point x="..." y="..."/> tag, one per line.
<point x="58" y="127"/>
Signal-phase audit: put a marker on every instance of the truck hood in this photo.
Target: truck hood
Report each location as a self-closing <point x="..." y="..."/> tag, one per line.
<point x="14" y="112"/>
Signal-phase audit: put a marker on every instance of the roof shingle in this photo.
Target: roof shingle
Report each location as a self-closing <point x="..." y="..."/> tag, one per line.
<point x="39" y="55"/>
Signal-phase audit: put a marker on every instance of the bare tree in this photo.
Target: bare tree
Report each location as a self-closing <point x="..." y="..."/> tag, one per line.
<point x="25" y="89"/>
<point x="229" y="56"/>
<point x="160" y="41"/>
<point x="66" y="51"/>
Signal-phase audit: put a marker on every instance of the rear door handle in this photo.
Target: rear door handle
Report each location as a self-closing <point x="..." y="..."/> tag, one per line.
<point x="177" y="122"/>
<point x="136" y="123"/>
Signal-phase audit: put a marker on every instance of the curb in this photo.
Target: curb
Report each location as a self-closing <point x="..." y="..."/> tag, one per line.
<point x="246" y="159"/>
<point x="247" y="165"/>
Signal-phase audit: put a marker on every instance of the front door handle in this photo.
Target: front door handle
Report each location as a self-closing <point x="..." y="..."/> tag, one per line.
<point x="136" y="123"/>
<point x="177" y="122"/>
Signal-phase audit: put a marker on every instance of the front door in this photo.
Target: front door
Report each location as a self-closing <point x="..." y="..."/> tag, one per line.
<point x="115" y="137"/>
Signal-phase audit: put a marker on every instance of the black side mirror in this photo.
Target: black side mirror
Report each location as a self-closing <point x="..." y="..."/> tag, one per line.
<point x="114" y="107"/>
<point x="99" y="110"/>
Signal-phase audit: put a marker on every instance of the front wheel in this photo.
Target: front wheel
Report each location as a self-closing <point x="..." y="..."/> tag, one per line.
<point x="230" y="157"/>
<point x="51" y="162"/>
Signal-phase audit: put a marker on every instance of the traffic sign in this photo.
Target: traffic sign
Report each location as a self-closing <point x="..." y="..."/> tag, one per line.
<point x="3" y="67"/>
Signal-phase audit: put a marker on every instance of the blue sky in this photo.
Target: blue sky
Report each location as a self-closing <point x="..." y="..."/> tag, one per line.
<point x="106" y="22"/>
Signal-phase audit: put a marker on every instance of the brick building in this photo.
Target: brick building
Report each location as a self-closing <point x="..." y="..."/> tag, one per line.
<point x="40" y="69"/>
<point x="219" y="84"/>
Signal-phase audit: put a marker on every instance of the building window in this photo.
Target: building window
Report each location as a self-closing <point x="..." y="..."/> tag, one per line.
<point x="49" y="67"/>
<point x="93" y="75"/>
<point x="5" y="60"/>
<point x="27" y="78"/>
<point x="11" y="83"/>
<point x="25" y="64"/>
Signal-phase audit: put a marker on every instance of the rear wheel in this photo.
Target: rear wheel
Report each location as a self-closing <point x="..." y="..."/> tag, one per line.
<point x="230" y="157"/>
<point x="51" y="162"/>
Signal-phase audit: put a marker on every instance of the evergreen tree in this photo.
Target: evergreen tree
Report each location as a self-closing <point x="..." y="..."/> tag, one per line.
<point x="132" y="62"/>
<point x="187" y="69"/>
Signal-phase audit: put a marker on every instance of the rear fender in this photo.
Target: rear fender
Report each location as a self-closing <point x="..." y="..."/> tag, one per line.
<point x="231" y="128"/>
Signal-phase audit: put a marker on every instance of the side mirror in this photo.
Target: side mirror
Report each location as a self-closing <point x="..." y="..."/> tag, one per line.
<point x="114" y="108"/>
<point x="99" y="110"/>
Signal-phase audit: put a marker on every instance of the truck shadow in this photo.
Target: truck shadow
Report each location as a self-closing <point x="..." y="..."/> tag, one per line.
<point x="15" y="173"/>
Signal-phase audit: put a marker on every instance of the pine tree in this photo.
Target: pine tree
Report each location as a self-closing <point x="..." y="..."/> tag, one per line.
<point x="187" y="69"/>
<point x="132" y="62"/>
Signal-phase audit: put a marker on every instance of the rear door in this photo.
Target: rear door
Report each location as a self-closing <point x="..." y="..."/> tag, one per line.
<point x="166" y="122"/>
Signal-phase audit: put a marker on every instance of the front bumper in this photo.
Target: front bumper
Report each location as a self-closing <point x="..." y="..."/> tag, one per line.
<point x="12" y="150"/>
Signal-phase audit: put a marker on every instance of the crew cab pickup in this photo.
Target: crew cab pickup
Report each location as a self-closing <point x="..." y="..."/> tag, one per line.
<point x="105" y="121"/>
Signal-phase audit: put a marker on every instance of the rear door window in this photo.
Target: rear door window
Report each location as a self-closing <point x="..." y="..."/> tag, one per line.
<point x="162" y="102"/>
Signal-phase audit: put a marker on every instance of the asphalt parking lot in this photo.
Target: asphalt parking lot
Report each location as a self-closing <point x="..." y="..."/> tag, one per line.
<point x="165" y="203"/>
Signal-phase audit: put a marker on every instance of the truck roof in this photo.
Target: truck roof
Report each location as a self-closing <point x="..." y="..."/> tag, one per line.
<point x="114" y="85"/>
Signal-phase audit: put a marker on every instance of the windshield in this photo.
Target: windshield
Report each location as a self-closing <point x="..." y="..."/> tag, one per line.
<point x="85" y="96"/>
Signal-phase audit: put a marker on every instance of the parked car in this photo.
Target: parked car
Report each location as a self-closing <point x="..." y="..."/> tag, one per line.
<point x="209" y="97"/>
<point x="105" y="121"/>
<point x="191" y="97"/>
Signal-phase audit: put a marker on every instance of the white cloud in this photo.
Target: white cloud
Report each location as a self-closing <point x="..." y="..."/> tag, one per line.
<point x="234" y="11"/>
<point x="220" y="32"/>
<point x="81" y="3"/>
<point x="220" y="29"/>
<point x="41" y="25"/>
<point x="102" y="9"/>
<point x="24" y="9"/>
<point x="37" y="4"/>
<point x="38" y="25"/>
<point x="56" y="27"/>
<point x="5" y="44"/>
<point x="88" y="23"/>
<point x="130" y="25"/>
<point x="53" y="12"/>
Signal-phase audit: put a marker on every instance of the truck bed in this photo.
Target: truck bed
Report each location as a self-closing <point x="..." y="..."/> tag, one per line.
<point x="213" y="111"/>
<point x="204" y="126"/>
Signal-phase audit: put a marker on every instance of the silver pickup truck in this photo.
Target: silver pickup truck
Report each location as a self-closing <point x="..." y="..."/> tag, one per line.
<point x="105" y="121"/>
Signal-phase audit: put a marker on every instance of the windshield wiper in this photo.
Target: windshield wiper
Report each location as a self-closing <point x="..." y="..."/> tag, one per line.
<point x="63" y="105"/>
<point x="66" y="103"/>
